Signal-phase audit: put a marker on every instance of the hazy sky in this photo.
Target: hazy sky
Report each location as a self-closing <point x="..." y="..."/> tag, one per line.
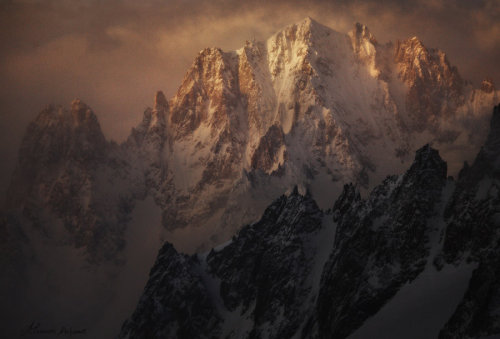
<point x="115" y="54"/>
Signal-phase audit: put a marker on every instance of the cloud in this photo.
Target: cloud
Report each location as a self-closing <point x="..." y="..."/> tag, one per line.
<point x="115" y="54"/>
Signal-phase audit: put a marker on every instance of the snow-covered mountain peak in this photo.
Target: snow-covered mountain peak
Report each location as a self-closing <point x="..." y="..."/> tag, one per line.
<point x="435" y="87"/>
<point x="207" y="94"/>
<point x="308" y="21"/>
<point x="305" y="29"/>
<point x="417" y="42"/>
<point x="297" y="43"/>
<point x="308" y="106"/>
<point x="418" y="60"/>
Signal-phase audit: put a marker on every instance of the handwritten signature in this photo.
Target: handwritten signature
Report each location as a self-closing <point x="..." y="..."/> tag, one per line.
<point x="35" y="328"/>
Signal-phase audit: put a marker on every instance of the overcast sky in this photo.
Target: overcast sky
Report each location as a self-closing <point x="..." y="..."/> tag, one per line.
<point x="115" y="54"/>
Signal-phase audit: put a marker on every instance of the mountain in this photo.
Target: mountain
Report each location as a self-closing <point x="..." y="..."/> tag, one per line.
<point x="65" y="223"/>
<point x="310" y="107"/>
<point x="69" y="178"/>
<point x="301" y="272"/>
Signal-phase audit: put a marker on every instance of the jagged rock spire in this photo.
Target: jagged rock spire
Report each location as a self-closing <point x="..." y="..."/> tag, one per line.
<point x="161" y="102"/>
<point x="487" y="85"/>
<point x="361" y="32"/>
<point x="428" y="158"/>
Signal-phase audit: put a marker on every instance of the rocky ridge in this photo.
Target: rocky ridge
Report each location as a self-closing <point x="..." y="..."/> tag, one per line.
<point x="309" y="106"/>
<point x="265" y="282"/>
<point x="62" y="183"/>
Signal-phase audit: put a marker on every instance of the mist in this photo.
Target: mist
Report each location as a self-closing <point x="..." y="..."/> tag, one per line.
<point x="114" y="55"/>
<point x="59" y="289"/>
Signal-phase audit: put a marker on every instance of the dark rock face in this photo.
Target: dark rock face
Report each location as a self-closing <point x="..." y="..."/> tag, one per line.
<point x="175" y="303"/>
<point x="379" y="246"/>
<point x="266" y="276"/>
<point x="473" y="212"/>
<point x="266" y="153"/>
<point x="473" y="233"/>
<point x="267" y="279"/>
<point x="478" y="315"/>
<point x="265" y="268"/>
<point x="263" y="273"/>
